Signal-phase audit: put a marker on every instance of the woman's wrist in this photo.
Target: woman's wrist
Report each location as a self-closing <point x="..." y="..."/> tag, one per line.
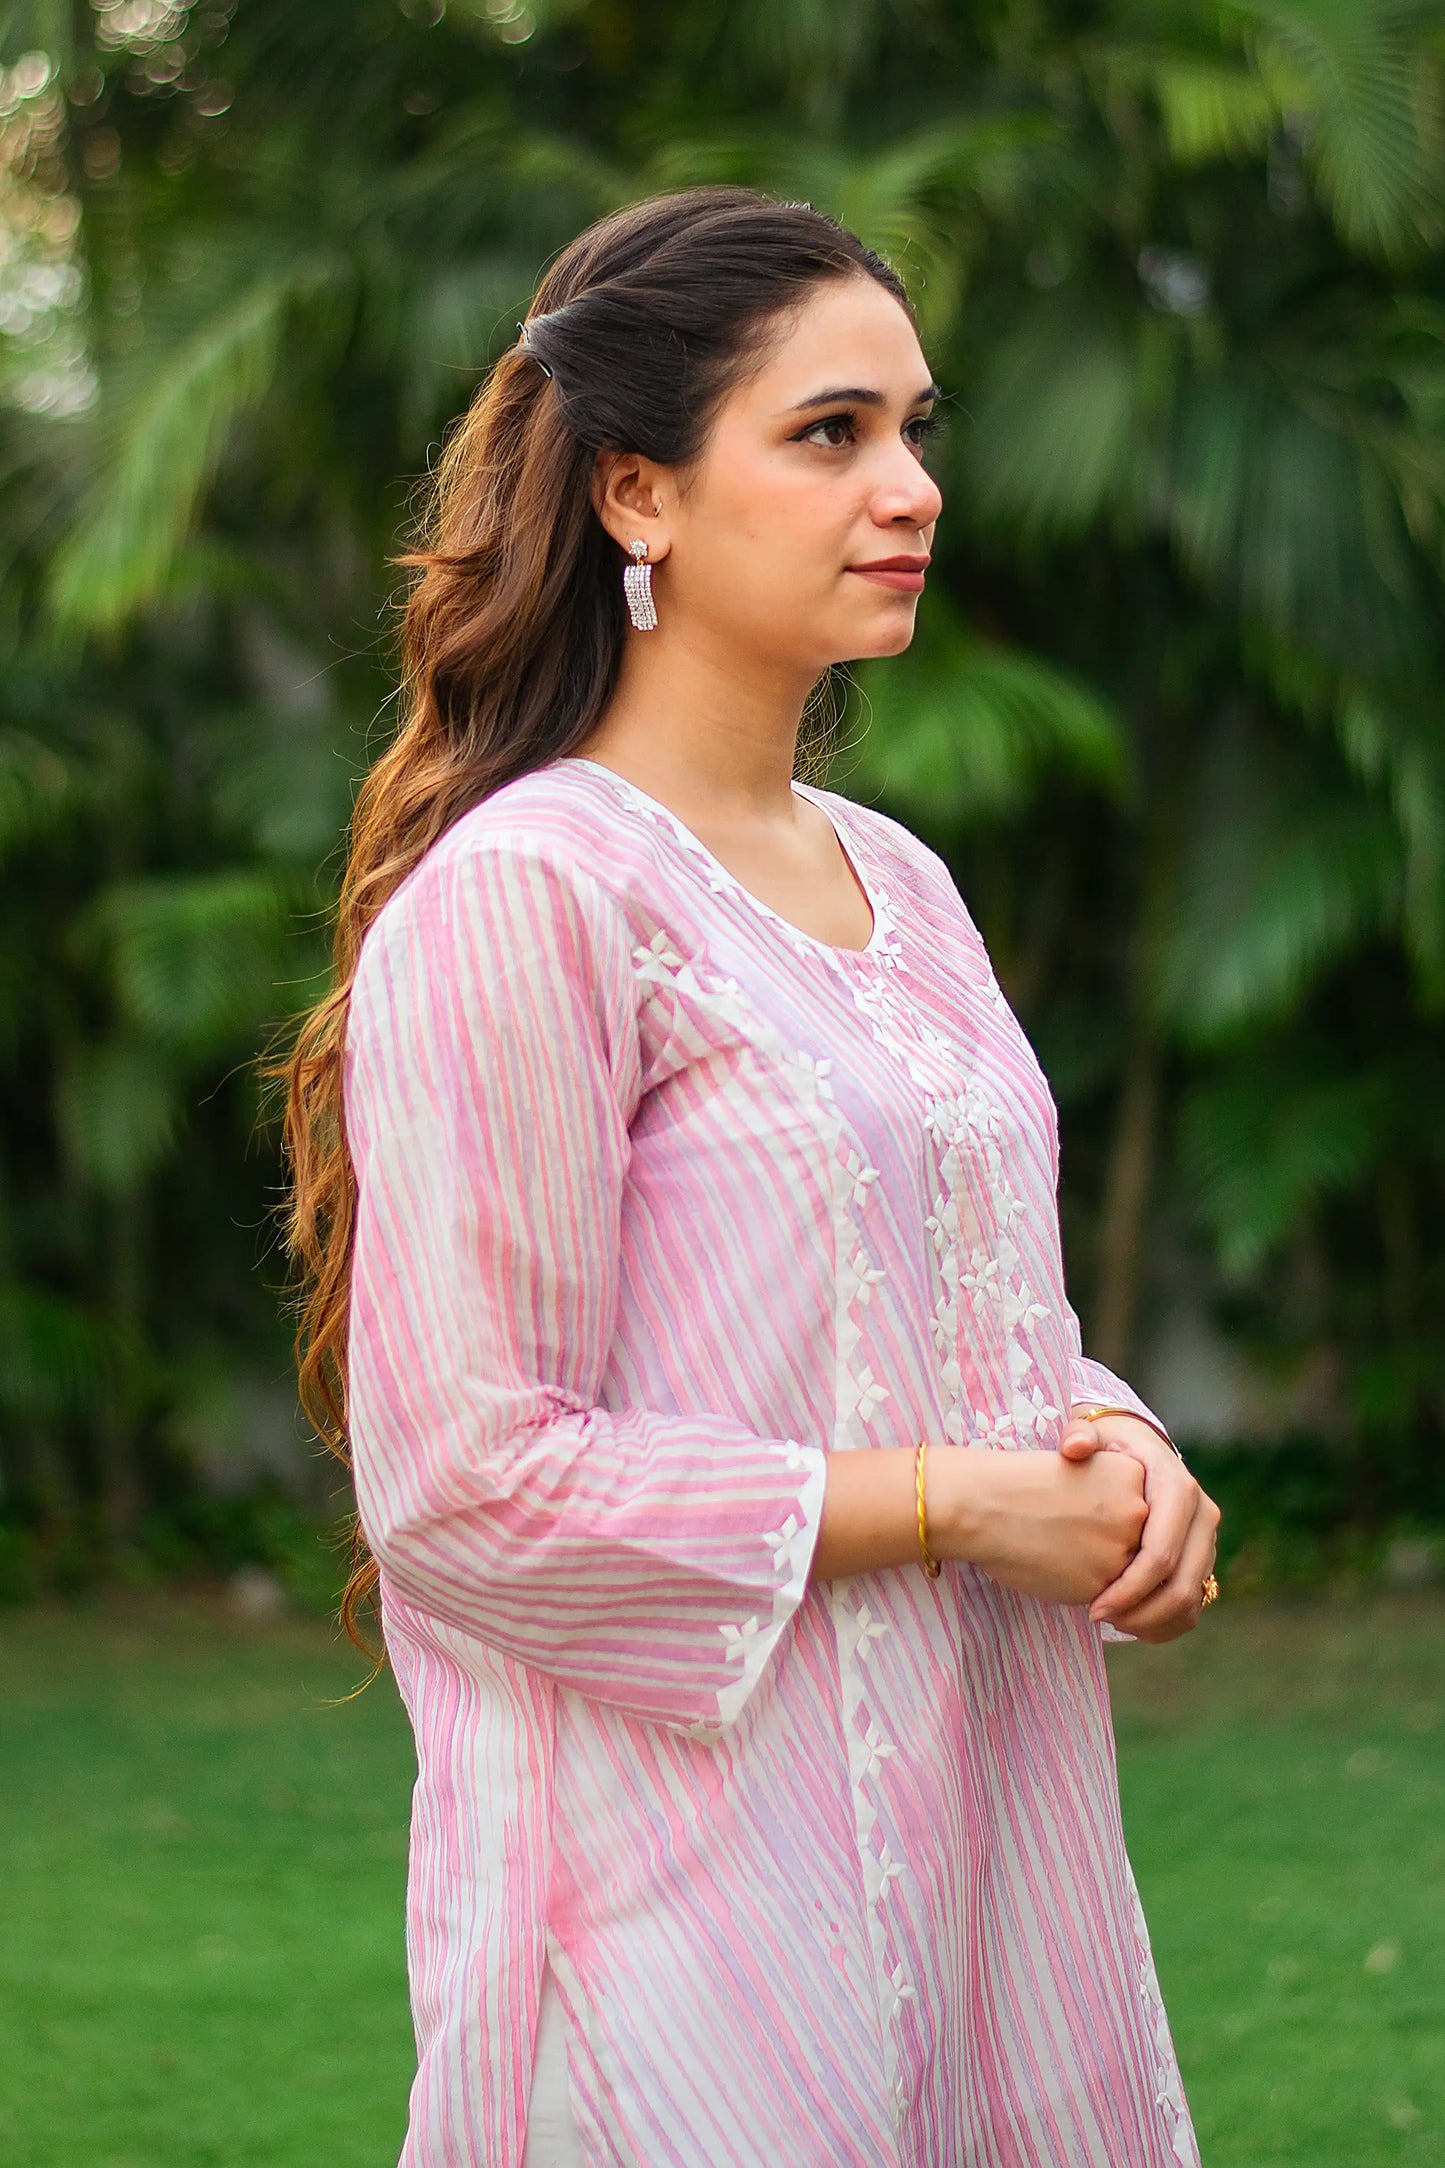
<point x="958" y="1508"/>
<point x="1087" y="1411"/>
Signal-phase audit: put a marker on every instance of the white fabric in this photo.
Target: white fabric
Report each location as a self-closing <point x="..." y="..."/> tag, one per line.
<point x="552" y="2140"/>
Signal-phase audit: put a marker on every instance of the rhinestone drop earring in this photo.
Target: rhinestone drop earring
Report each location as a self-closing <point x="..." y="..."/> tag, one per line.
<point x="637" y="586"/>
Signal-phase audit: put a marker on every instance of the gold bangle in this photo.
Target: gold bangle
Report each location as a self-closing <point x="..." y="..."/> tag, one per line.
<point x="931" y="1565"/>
<point x="1090" y="1415"/>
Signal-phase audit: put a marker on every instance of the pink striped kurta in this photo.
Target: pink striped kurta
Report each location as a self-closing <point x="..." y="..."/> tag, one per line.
<point x="659" y="1198"/>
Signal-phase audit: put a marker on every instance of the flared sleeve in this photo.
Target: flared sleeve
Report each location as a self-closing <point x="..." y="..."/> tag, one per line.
<point x="649" y="1560"/>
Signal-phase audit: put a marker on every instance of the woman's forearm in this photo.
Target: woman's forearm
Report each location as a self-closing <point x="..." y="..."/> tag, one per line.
<point x="1057" y="1529"/>
<point x="870" y="1510"/>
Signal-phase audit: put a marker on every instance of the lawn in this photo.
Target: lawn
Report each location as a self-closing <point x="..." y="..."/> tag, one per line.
<point x="200" y="1942"/>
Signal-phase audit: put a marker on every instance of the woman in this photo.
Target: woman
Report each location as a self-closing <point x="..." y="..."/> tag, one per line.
<point x="709" y="1372"/>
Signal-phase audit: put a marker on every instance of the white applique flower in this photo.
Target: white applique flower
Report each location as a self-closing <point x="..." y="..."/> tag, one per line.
<point x="879" y="1873"/>
<point x="658" y="957"/>
<point x="790" y="1546"/>
<point x="818" y="1071"/>
<point x="937" y="1226"/>
<point x="1038" y="1411"/>
<point x="739" y="1640"/>
<point x="863" y="1183"/>
<point x="879" y="1749"/>
<point x="778" y="1539"/>
<point x="871" y="1396"/>
<point x="1025" y="1311"/>
<point x="980" y="1274"/>
<point x="995" y="1430"/>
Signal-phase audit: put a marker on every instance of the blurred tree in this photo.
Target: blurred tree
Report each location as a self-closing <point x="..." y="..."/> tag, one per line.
<point x="1171" y="713"/>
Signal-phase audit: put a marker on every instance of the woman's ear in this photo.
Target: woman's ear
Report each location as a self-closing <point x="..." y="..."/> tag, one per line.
<point x="630" y="498"/>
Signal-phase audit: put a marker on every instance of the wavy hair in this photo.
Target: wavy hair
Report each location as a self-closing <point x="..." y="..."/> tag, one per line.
<point x="514" y="626"/>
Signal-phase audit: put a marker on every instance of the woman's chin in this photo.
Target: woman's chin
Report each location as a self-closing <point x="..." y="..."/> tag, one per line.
<point x="888" y="636"/>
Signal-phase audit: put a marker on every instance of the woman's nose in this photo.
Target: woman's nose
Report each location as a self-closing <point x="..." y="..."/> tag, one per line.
<point x="908" y="493"/>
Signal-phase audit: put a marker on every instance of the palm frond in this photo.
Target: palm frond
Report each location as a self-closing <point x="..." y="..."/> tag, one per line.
<point x="1288" y="870"/>
<point x="285" y="786"/>
<point x="119" y="1110"/>
<point x="1405" y="752"/>
<point x="449" y="332"/>
<point x="203" y="963"/>
<point x="57" y="1359"/>
<point x="1265" y="1139"/>
<point x="1364" y="77"/>
<point x="1212" y="109"/>
<point x="37" y="791"/>
<point x="162" y="428"/>
<point x="1280" y="512"/>
<point x="905" y="201"/>
<point x="962" y="729"/>
<point x="1054" y="430"/>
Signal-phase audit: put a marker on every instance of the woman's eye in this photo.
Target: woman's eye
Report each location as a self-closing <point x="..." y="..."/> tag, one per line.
<point x="840" y="424"/>
<point x="837" y="431"/>
<point x="923" y="428"/>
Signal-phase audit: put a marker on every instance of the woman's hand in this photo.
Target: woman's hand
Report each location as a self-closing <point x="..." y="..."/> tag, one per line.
<point x="1060" y="1529"/>
<point x="1160" y="1593"/>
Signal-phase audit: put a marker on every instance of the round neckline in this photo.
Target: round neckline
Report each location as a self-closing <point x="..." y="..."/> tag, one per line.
<point x="847" y="843"/>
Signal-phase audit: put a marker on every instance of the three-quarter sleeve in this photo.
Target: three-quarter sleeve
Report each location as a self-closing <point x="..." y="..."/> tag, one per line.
<point x="644" y="1559"/>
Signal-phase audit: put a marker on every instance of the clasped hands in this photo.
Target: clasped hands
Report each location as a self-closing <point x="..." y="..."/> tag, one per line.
<point x="1115" y="1521"/>
<point x="1160" y="1592"/>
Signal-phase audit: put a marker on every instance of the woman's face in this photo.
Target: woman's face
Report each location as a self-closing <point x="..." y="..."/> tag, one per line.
<point x="810" y="481"/>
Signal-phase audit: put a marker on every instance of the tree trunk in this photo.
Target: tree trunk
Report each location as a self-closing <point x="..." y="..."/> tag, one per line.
<point x="118" y="1467"/>
<point x="1122" y="1220"/>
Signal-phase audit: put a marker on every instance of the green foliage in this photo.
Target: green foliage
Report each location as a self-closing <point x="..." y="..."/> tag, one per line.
<point x="117" y="1114"/>
<point x="56" y="1358"/>
<point x="962" y="729"/>
<point x="196" y="963"/>
<point x="1263" y="1142"/>
<point x="1288" y="870"/>
<point x="207" y="355"/>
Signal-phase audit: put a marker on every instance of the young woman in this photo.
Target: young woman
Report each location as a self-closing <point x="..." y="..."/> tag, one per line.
<point x="680" y="1193"/>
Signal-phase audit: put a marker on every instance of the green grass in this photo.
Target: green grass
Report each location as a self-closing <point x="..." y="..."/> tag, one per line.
<point x="200" y="1935"/>
<point x="1283" y="1775"/>
<point x="200" y="1931"/>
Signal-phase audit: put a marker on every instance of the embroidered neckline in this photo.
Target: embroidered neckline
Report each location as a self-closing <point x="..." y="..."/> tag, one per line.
<point x="880" y="945"/>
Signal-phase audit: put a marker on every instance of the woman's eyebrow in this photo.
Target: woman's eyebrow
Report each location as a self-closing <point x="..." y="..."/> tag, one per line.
<point x="862" y="396"/>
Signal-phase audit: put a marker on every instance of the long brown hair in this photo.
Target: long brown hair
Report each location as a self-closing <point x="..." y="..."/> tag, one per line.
<point x="514" y="627"/>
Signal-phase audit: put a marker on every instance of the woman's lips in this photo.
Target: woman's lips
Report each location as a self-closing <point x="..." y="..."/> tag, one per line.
<point x="904" y="579"/>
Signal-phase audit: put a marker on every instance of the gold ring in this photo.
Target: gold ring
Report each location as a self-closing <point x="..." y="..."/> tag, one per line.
<point x="1211" y="1589"/>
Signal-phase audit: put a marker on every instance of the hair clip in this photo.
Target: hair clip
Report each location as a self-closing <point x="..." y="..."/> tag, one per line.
<point x="526" y="342"/>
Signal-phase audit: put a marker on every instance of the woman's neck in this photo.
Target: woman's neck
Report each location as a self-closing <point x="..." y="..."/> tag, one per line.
<point x="712" y="740"/>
